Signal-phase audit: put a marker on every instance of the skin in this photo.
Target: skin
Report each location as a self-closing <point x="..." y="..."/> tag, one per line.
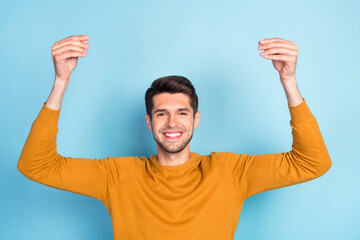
<point x="172" y="113"/>
<point x="283" y="54"/>
<point x="169" y="114"/>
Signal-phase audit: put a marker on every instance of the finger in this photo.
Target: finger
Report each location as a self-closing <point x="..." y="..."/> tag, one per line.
<point x="277" y="44"/>
<point x="284" y="58"/>
<point x="283" y="51"/>
<point x="68" y="48"/>
<point x="269" y="40"/>
<point x="75" y="37"/>
<point x="69" y="54"/>
<point x="73" y="42"/>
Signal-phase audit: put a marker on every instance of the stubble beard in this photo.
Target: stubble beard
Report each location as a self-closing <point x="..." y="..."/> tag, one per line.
<point x="174" y="148"/>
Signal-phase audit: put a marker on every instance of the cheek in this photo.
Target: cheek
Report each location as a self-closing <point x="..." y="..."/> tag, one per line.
<point x="190" y="125"/>
<point x="156" y="126"/>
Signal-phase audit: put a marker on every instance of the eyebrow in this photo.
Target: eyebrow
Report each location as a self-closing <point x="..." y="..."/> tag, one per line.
<point x="179" y="109"/>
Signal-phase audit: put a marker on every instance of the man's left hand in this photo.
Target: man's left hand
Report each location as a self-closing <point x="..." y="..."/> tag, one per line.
<point x="283" y="54"/>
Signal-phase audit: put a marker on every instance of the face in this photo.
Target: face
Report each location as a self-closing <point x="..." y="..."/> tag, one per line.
<point x="172" y="122"/>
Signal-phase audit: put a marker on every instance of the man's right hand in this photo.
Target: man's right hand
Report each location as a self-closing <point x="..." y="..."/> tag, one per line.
<point x="65" y="55"/>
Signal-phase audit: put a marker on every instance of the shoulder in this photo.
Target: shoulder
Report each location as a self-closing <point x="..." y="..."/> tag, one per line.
<point x="230" y="159"/>
<point x="226" y="155"/>
<point x="123" y="162"/>
<point x="222" y="157"/>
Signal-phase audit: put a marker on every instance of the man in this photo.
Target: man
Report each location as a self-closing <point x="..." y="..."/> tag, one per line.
<point x="176" y="194"/>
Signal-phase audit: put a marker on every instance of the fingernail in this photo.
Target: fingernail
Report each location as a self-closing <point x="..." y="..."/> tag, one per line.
<point x="260" y="47"/>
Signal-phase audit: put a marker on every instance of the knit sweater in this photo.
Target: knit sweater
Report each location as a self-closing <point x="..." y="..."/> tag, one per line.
<point x="199" y="199"/>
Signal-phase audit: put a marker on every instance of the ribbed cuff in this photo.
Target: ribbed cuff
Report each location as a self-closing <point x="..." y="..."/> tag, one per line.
<point x="48" y="117"/>
<point x="300" y="112"/>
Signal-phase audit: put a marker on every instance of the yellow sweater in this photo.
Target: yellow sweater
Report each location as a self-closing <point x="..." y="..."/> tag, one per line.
<point x="200" y="199"/>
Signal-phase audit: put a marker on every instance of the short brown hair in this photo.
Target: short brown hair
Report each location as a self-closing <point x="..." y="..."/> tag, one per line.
<point x="171" y="84"/>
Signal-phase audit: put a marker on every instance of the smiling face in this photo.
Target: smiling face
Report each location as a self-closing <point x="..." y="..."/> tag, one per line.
<point x="172" y="122"/>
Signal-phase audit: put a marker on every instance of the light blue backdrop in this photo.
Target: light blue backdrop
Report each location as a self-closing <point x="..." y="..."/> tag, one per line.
<point x="243" y="106"/>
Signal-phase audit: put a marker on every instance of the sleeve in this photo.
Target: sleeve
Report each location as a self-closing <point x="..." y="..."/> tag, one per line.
<point x="307" y="160"/>
<point x="40" y="162"/>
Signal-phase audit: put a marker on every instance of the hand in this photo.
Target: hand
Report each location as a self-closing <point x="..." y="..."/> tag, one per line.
<point x="65" y="55"/>
<point x="283" y="54"/>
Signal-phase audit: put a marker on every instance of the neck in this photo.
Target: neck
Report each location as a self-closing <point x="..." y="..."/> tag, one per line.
<point x="173" y="159"/>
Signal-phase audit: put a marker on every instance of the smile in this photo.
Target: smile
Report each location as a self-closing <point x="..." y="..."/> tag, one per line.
<point x="172" y="135"/>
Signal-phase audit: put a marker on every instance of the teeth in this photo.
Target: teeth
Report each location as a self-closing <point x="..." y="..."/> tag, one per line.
<point x="172" y="134"/>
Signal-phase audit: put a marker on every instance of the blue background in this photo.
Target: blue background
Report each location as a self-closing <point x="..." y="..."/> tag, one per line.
<point x="243" y="106"/>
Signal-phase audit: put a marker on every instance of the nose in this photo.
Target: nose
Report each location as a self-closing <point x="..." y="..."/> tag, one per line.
<point x="171" y="121"/>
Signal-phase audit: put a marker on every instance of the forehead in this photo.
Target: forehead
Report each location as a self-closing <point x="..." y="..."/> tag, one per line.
<point x="171" y="101"/>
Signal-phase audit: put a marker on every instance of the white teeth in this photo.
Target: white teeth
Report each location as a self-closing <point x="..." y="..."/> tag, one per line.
<point x="172" y="134"/>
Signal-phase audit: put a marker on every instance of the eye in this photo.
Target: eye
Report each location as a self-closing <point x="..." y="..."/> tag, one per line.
<point x="160" y="114"/>
<point x="183" y="113"/>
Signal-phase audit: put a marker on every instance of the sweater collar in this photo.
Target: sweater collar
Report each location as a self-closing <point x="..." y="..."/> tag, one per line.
<point x="181" y="168"/>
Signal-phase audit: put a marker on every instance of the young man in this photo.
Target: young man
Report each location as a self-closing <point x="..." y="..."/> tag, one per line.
<point x="176" y="194"/>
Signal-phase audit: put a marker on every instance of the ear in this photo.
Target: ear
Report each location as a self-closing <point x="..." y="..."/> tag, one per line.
<point x="148" y="121"/>
<point x="197" y="119"/>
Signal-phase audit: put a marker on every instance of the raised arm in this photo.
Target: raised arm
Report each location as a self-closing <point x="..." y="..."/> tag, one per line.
<point x="65" y="55"/>
<point x="39" y="159"/>
<point x="308" y="158"/>
<point x="283" y="54"/>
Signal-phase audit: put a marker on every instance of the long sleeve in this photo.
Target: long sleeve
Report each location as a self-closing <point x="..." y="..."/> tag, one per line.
<point x="308" y="159"/>
<point x="39" y="161"/>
